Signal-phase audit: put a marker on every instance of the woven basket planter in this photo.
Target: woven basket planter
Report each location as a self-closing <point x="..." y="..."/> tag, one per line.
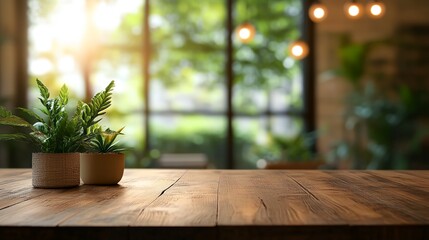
<point x="55" y="170"/>
<point x="102" y="168"/>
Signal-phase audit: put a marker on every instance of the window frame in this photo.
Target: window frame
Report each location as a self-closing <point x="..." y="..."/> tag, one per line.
<point x="307" y="113"/>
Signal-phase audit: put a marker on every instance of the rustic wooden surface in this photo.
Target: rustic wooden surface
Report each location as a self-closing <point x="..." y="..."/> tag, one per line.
<point x="221" y="204"/>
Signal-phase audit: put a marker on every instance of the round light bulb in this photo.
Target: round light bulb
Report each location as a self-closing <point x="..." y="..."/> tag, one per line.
<point x="353" y="10"/>
<point x="376" y="9"/>
<point x="317" y="12"/>
<point x="298" y="50"/>
<point x="245" y="32"/>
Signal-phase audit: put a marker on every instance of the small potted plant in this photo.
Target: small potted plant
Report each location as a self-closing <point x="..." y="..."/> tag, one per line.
<point x="104" y="164"/>
<point x="58" y="136"/>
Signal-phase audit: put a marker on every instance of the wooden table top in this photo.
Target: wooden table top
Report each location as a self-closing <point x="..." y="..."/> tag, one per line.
<point x="221" y="204"/>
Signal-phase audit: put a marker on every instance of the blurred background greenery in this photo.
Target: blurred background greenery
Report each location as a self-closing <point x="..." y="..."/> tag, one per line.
<point x="85" y="44"/>
<point x="371" y="78"/>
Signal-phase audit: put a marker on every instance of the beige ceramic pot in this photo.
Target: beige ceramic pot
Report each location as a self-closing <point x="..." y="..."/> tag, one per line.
<point x="55" y="170"/>
<point x="101" y="168"/>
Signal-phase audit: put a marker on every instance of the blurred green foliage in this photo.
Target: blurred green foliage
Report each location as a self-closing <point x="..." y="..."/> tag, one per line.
<point x="388" y="121"/>
<point x="188" y="59"/>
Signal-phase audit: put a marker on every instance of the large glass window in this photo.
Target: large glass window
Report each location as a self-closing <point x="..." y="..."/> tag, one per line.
<point x="268" y="96"/>
<point x="87" y="43"/>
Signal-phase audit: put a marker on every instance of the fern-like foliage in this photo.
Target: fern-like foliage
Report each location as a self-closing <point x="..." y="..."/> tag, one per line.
<point x="53" y="131"/>
<point x="104" y="141"/>
<point x="7" y="118"/>
<point x="99" y="103"/>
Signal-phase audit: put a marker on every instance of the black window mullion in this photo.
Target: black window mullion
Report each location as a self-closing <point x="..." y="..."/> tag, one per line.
<point x="307" y="29"/>
<point x="146" y="75"/>
<point x="229" y="78"/>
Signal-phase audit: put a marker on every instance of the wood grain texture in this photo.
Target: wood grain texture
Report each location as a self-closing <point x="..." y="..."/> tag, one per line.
<point x="191" y="202"/>
<point x="221" y="204"/>
<point x="269" y="197"/>
<point x="398" y="201"/>
<point x="354" y="203"/>
<point x="17" y="188"/>
<point x="122" y="206"/>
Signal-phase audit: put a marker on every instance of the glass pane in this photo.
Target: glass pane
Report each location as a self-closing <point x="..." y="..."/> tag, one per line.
<point x="189" y="134"/>
<point x="117" y="22"/>
<point x="103" y="36"/>
<point x="127" y="100"/>
<point x="266" y="78"/>
<point x="262" y="138"/>
<point x="188" y="55"/>
<point x="133" y="138"/>
<point x="187" y="70"/>
<point x="125" y="68"/>
<point x="55" y="32"/>
<point x="65" y="36"/>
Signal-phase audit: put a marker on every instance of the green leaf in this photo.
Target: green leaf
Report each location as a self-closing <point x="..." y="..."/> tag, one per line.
<point x="104" y="141"/>
<point x="14" y="136"/>
<point x="44" y="111"/>
<point x="4" y="112"/>
<point x="64" y="95"/>
<point x="44" y="92"/>
<point x="39" y="135"/>
<point x="78" y="111"/>
<point x="15" y="121"/>
<point x="100" y="102"/>
<point x="32" y="114"/>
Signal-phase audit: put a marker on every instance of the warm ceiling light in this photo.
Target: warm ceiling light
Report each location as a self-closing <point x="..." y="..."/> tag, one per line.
<point x="318" y="12"/>
<point x="376" y="9"/>
<point x="353" y="10"/>
<point x="245" y="32"/>
<point x="298" y="50"/>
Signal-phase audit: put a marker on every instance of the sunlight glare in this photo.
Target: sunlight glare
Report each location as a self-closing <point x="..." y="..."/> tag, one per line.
<point x="41" y="66"/>
<point x="106" y="17"/>
<point x="42" y="38"/>
<point x="69" y="26"/>
<point x="66" y="64"/>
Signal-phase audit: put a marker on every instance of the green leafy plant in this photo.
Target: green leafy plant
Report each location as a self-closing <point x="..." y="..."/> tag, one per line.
<point x="96" y="108"/>
<point x="53" y="130"/>
<point x="104" y="141"/>
<point x="384" y="120"/>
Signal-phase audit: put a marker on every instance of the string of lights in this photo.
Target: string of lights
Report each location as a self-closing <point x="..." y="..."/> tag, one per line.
<point x="317" y="13"/>
<point x="352" y="9"/>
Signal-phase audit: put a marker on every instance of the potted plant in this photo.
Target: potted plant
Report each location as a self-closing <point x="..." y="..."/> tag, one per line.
<point x="104" y="164"/>
<point x="58" y="136"/>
